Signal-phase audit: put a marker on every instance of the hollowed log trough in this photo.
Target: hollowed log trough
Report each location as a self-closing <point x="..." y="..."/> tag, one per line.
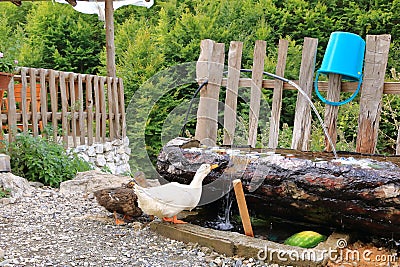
<point x="363" y="196"/>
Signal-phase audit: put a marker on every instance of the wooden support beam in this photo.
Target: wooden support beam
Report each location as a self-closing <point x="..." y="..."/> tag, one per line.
<point x="331" y="112"/>
<point x="244" y="213"/>
<point x="376" y="57"/>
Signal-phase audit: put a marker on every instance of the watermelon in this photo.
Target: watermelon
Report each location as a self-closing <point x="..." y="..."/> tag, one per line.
<point x="305" y="239"/>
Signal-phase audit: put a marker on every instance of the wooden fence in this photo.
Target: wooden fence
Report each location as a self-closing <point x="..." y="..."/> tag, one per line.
<point x="80" y="108"/>
<point x="210" y="66"/>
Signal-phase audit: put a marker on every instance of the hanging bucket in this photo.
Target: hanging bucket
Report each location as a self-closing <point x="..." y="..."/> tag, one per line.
<point x="344" y="55"/>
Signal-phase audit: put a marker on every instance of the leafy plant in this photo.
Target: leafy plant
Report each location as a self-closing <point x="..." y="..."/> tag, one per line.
<point x="7" y="64"/>
<point x="43" y="160"/>
<point x="4" y="192"/>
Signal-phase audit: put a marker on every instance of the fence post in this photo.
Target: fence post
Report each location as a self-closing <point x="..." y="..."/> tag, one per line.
<point x="302" y="119"/>
<point x="376" y="57"/>
<point x="331" y="112"/>
<point x="232" y="87"/>
<point x="277" y="96"/>
<point x="207" y="113"/>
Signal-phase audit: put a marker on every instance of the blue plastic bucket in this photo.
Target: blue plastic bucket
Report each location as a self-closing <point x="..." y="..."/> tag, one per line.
<point x="344" y="55"/>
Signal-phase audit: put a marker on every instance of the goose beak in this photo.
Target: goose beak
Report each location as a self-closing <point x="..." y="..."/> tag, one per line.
<point x="214" y="166"/>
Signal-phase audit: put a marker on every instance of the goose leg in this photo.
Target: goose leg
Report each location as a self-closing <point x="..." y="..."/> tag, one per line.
<point x="174" y="220"/>
<point x="117" y="220"/>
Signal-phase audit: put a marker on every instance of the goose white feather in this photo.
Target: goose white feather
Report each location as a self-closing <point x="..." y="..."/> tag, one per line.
<point x="169" y="199"/>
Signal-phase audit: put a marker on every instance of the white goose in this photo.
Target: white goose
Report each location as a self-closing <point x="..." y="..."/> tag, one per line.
<point x="167" y="200"/>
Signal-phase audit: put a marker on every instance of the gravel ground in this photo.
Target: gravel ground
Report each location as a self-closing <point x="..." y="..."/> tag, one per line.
<point x="47" y="229"/>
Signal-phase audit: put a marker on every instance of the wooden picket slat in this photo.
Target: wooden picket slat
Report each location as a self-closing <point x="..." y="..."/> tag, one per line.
<point x="54" y="102"/>
<point x="64" y="110"/>
<point x="103" y="110"/>
<point x="24" y="107"/>
<point x="43" y="99"/>
<point x="116" y="108"/>
<point x="34" y="111"/>
<point x="256" y="85"/>
<point x="110" y="107"/>
<point x="277" y="96"/>
<point x="89" y="108"/>
<point x="71" y="78"/>
<point x="12" y="112"/>
<point x="97" y="107"/>
<point x="121" y="100"/>
<point x="302" y="120"/>
<point x="376" y="57"/>
<point x="331" y="112"/>
<point x="207" y="113"/>
<point x="234" y="65"/>
<point x="81" y="114"/>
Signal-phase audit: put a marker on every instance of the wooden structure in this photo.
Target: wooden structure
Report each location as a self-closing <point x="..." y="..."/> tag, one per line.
<point x="210" y="67"/>
<point x="81" y="108"/>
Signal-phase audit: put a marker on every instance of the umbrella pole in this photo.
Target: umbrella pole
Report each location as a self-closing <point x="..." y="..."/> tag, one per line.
<point x="110" y="46"/>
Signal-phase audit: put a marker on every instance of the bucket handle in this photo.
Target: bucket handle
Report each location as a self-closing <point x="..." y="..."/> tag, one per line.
<point x="335" y="103"/>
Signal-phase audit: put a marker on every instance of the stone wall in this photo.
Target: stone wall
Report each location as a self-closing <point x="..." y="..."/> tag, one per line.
<point x="113" y="155"/>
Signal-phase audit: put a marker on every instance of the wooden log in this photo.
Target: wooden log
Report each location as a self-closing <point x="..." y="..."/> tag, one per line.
<point x="331" y="112"/>
<point x="376" y="57"/>
<point x="277" y="96"/>
<point x="255" y="95"/>
<point x="362" y="197"/>
<point x="234" y="64"/>
<point x="302" y="119"/>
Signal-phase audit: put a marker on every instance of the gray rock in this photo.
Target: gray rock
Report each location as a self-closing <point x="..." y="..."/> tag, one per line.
<point x="2" y="253"/>
<point x="18" y="186"/>
<point x="100" y="160"/>
<point x="85" y="183"/>
<point x="91" y="152"/>
<point x="99" y="148"/>
<point x="107" y="146"/>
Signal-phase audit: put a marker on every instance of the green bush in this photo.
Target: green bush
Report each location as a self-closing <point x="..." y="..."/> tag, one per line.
<point x="42" y="160"/>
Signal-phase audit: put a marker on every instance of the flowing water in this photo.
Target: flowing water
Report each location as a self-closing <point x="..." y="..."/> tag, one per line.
<point x="324" y="128"/>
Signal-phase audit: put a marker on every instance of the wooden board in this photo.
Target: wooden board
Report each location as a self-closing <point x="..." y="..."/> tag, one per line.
<point x="89" y="108"/>
<point x="121" y="100"/>
<point x="207" y="113"/>
<point x="376" y="57"/>
<point x="54" y="102"/>
<point x="331" y="112"/>
<point x="110" y="107"/>
<point x="97" y="107"/>
<point x="234" y="65"/>
<point x="302" y="119"/>
<point x="34" y="111"/>
<point x="43" y="99"/>
<point x="73" y="107"/>
<point x="23" y="103"/>
<point x="81" y="114"/>
<point x="64" y="110"/>
<point x="277" y="96"/>
<point x="103" y="109"/>
<point x="256" y="85"/>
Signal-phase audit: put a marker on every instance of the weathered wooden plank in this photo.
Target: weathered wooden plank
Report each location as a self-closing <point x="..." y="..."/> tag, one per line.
<point x="256" y="84"/>
<point x="277" y="96"/>
<point x="376" y="57"/>
<point x="302" y="119"/>
<point x="234" y="65"/>
<point x="89" y="108"/>
<point x="81" y="114"/>
<point x="207" y="113"/>
<point x="32" y="80"/>
<point x="71" y="78"/>
<point x="110" y="108"/>
<point x="64" y="108"/>
<point x="117" y="125"/>
<point x="202" y="65"/>
<point x="103" y="110"/>
<point x="331" y="112"/>
<point x="23" y="103"/>
<point x="54" y="102"/>
<point x="97" y="107"/>
<point x="121" y="100"/>
<point x="12" y="110"/>
<point x="398" y="142"/>
<point x="43" y="99"/>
